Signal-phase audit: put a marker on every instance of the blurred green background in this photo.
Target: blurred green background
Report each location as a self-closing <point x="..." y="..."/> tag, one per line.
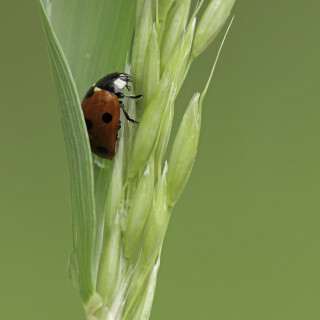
<point x="244" y="240"/>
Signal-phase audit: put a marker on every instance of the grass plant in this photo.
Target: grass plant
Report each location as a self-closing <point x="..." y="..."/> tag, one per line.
<point x="121" y="209"/>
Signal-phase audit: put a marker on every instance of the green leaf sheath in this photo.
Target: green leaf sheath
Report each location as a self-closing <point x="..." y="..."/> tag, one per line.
<point x="86" y="47"/>
<point x="79" y="157"/>
<point x="95" y="36"/>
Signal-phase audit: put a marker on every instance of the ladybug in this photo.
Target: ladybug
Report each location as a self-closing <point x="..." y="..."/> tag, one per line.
<point x="101" y="110"/>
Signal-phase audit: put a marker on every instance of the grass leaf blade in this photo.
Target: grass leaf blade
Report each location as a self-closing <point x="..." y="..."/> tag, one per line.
<point x="79" y="158"/>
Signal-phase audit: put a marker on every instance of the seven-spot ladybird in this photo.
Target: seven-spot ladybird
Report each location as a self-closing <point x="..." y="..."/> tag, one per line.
<point x="101" y="110"/>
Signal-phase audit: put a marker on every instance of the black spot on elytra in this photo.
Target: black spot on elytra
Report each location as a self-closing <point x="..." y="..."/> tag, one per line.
<point x="89" y="124"/>
<point x="106" y="117"/>
<point x="90" y="92"/>
<point x="102" y="150"/>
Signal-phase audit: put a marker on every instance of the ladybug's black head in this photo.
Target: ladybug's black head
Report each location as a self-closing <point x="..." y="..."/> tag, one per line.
<point x="115" y="82"/>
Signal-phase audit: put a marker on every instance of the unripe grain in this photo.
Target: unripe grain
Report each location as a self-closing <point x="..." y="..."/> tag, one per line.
<point x="139" y="210"/>
<point x="178" y="62"/>
<point x="163" y="8"/>
<point x="156" y="224"/>
<point x="164" y="136"/>
<point x="175" y="25"/>
<point x="109" y="264"/>
<point x="148" y="129"/>
<point x="184" y="151"/>
<point x="210" y="24"/>
<point x="141" y="38"/>
<point x="151" y="67"/>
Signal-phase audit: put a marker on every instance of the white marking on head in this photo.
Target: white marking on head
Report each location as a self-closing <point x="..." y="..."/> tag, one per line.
<point x="96" y="89"/>
<point x="120" y="83"/>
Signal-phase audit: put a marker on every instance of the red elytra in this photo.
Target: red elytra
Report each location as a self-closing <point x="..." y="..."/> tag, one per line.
<point x="102" y="114"/>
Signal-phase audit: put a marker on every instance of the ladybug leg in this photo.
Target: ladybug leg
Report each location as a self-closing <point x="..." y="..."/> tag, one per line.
<point x="120" y="95"/>
<point x="119" y="127"/>
<point x="135" y="97"/>
<point x="128" y="87"/>
<point x="126" y="114"/>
